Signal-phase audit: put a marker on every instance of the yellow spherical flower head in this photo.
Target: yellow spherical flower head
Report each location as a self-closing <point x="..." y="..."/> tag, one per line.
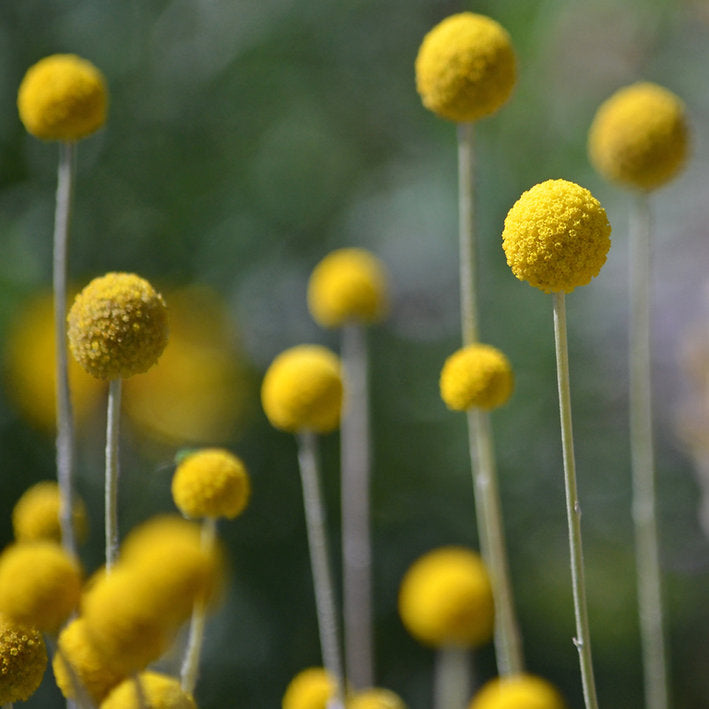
<point x="23" y="659"/>
<point x="211" y="483"/>
<point x="36" y="514"/>
<point x="445" y="599"/>
<point x="40" y="584"/>
<point x="477" y="375"/>
<point x="62" y="97"/>
<point x="311" y="688"/>
<point x="376" y="699"/>
<point x="302" y="390"/>
<point x="466" y="67"/>
<point x="87" y="664"/>
<point x="117" y="326"/>
<point x="556" y="236"/>
<point x="348" y="285"/>
<point x="160" y="692"/>
<point x="639" y="136"/>
<point x="517" y="692"/>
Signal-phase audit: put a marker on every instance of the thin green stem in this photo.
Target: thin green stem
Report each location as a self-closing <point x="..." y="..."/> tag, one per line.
<point x="647" y="555"/>
<point x="319" y="562"/>
<point x="356" y="545"/>
<point x="64" y="414"/>
<point x="573" y="508"/>
<point x="452" y="678"/>
<point x="112" y="470"/>
<point x="466" y="234"/>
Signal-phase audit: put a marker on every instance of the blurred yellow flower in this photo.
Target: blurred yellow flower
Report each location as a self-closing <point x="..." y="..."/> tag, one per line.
<point x="517" y="692"/>
<point x="375" y="699"/>
<point x="309" y="689"/>
<point x="160" y="692"/>
<point x="23" y="659"/>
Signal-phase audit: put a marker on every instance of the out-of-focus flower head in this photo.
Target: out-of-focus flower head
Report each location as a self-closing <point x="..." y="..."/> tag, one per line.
<point x="160" y="692"/>
<point x="311" y="688"/>
<point x="517" y="692"/>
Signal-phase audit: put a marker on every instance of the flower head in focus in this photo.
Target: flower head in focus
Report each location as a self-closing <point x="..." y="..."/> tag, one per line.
<point x="23" y="659"/>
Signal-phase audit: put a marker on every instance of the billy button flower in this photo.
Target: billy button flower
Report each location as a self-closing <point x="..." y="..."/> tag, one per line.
<point x="376" y="699"/>
<point x="517" y="692"/>
<point x="311" y="688"/>
<point x="158" y="691"/>
<point x="23" y="659"/>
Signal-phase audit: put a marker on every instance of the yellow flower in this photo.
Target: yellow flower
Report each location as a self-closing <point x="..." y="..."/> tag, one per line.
<point x="477" y="375"/>
<point x="517" y="692"/>
<point x="556" y="236"/>
<point x="445" y="599"/>
<point x="160" y="691"/>
<point x="466" y="67"/>
<point x="36" y="514"/>
<point x="211" y="483"/>
<point x="348" y="285"/>
<point x="375" y="699"/>
<point x="23" y="659"/>
<point x="639" y="136"/>
<point x="117" y="326"/>
<point x="302" y="390"/>
<point x="87" y="664"/>
<point x="40" y="584"/>
<point x="309" y="689"/>
<point x="62" y="97"/>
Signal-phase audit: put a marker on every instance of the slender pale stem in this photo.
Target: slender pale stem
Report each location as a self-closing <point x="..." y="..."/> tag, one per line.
<point x="573" y="508"/>
<point x="647" y="553"/>
<point x="508" y="641"/>
<point x="81" y="698"/>
<point x="319" y="562"/>
<point x="140" y="692"/>
<point x="466" y="234"/>
<point x="190" y="663"/>
<point x="64" y="414"/>
<point x="112" y="470"/>
<point x="356" y="545"/>
<point x="452" y="678"/>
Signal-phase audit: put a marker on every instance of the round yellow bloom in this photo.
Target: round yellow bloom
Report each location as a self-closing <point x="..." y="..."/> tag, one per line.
<point x="211" y="483"/>
<point x="376" y="699"/>
<point x="310" y="689"/>
<point x="639" y="136"/>
<point x="76" y="648"/>
<point x="23" y="659"/>
<point x="117" y="326"/>
<point x="36" y="514"/>
<point x="40" y="584"/>
<point x="466" y="67"/>
<point x="517" y="692"/>
<point x="477" y="375"/>
<point x="302" y="390"/>
<point x="160" y="692"/>
<point x="556" y="236"/>
<point x="348" y="285"/>
<point x="62" y="97"/>
<point x="445" y="599"/>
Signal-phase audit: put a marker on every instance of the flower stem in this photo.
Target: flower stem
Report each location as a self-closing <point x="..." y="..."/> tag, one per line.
<point x="466" y="234"/>
<point x="64" y="414"/>
<point x="112" y="470"/>
<point x="647" y="556"/>
<point x="451" y="684"/>
<point x="81" y="697"/>
<point x="190" y="663"/>
<point x="319" y="562"/>
<point x="356" y="545"/>
<point x="573" y="508"/>
<point x="142" y="702"/>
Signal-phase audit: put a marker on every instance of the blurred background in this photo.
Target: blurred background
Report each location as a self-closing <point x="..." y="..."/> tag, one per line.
<point x="246" y="139"/>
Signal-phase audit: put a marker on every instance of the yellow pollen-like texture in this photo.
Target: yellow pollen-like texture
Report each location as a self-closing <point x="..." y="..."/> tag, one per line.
<point x="118" y="326"/>
<point x="445" y="599"/>
<point x="477" y="375"/>
<point x="302" y="390"/>
<point x="376" y="699"/>
<point x="556" y="236"/>
<point x="211" y="483"/>
<point x="62" y="97"/>
<point x="639" y="136"/>
<point x="23" y="659"/>
<point x="466" y="67"/>
<point x="309" y="689"/>
<point x="517" y="692"/>
<point x="348" y="285"/>
<point x="160" y="692"/>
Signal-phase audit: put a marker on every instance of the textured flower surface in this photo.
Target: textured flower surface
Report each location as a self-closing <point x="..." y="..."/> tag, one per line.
<point x="445" y="599"/>
<point x="211" y="483"/>
<point x="476" y="375"/>
<point x="517" y="692"/>
<point x="62" y="97"/>
<point x="465" y="67"/>
<point x="160" y="692"/>
<point x="117" y="326"/>
<point x="375" y="699"/>
<point x="309" y="689"/>
<point x="639" y="136"/>
<point x="348" y="285"/>
<point x="302" y="390"/>
<point x="23" y="659"/>
<point x="556" y="236"/>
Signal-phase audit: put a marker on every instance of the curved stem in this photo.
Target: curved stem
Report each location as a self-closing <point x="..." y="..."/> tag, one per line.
<point x="112" y="471"/>
<point x="466" y="234"/>
<point x="644" y="504"/>
<point x="452" y="678"/>
<point x="573" y="508"/>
